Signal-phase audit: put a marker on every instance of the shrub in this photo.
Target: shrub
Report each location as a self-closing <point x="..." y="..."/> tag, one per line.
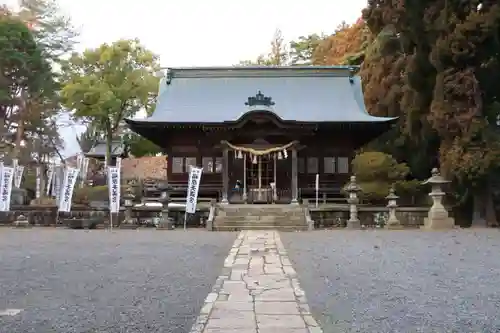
<point x="377" y="172"/>
<point x="84" y="195"/>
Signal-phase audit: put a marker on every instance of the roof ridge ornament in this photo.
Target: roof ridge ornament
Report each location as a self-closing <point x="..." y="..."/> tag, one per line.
<point x="259" y="99"/>
<point x="352" y="73"/>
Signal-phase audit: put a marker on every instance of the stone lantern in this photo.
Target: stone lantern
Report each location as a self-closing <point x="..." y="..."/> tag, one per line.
<point x="438" y="216"/>
<point x="129" y="203"/>
<point x="392" y="222"/>
<point x="165" y="221"/>
<point x="352" y="189"/>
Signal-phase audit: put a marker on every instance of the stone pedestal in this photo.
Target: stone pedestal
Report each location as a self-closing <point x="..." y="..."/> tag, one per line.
<point x="128" y="226"/>
<point x="438" y="219"/>
<point x="353" y="224"/>
<point x="22" y="222"/>
<point x="165" y="224"/>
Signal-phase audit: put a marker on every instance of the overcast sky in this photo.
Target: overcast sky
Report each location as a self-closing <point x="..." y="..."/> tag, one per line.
<point x="200" y="32"/>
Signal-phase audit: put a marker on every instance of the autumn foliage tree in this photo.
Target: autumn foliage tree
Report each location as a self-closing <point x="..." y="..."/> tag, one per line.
<point x="344" y="47"/>
<point x="441" y="80"/>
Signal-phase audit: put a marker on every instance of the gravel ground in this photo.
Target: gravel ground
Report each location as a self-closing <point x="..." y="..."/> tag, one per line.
<point x="401" y="281"/>
<point x="115" y="282"/>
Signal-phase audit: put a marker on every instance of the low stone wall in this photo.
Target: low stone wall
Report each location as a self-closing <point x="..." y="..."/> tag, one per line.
<point x="46" y="216"/>
<point x="370" y="216"/>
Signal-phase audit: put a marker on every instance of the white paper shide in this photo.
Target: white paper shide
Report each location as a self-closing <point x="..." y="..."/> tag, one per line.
<point x="68" y="186"/>
<point x="6" y="188"/>
<point x="193" y="187"/>
<point x="18" y="175"/>
<point x="50" y="177"/>
<point x="114" y="189"/>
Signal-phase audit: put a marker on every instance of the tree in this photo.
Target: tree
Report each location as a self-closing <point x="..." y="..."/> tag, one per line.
<point x="398" y="81"/>
<point x="465" y="109"/>
<point x="302" y="50"/>
<point x="34" y="119"/>
<point x="278" y="54"/>
<point x="139" y="146"/>
<point x="25" y="75"/>
<point x="53" y="31"/>
<point x="345" y="46"/>
<point x="105" y="85"/>
<point x="448" y="99"/>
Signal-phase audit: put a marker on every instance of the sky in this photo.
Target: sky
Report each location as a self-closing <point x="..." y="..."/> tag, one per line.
<point x="199" y="32"/>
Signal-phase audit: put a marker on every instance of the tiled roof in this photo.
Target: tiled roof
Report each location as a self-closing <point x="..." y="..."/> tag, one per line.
<point x="99" y="149"/>
<point x="308" y="94"/>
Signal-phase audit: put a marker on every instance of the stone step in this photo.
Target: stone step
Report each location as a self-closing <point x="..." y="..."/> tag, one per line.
<point x="260" y="218"/>
<point x="259" y="213"/>
<point x="290" y="228"/>
<point x="259" y="224"/>
<point x="256" y="209"/>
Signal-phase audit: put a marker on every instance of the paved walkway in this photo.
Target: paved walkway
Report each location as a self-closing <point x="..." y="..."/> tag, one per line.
<point x="257" y="292"/>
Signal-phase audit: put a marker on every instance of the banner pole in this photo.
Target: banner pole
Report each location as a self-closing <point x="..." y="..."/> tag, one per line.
<point x="185" y="220"/>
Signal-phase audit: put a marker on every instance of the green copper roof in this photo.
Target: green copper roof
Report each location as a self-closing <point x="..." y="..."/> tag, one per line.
<point x="99" y="149"/>
<point x="305" y="94"/>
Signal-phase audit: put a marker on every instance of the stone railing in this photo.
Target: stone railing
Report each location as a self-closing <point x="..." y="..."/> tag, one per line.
<point x="369" y="216"/>
<point x="47" y="216"/>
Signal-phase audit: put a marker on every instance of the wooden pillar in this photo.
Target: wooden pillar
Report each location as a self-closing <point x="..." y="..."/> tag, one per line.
<point x="225" y="175"/>
<point x="275" y="189"/>
<point x="245" y="197"/>
<point x="294" y="177"/>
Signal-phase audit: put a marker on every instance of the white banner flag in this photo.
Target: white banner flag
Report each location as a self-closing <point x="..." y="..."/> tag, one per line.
<point x="18" y="175"/>
<point x="70" y="177"/>
<point x="38" y="182"/>
<point x="84" y="172"/>
<point x="114" y="189"/>
<point x="50" y="177"/>
<point x="6" y="188"/>
<point x="192" y="191"/>
<point x="85" y="168"/>
<point x="119" y="163"/>
<point x="56" y="188"/>
<point x="79" y="162"/>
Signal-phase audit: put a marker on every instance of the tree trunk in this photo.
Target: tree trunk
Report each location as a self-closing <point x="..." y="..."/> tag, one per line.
<point x="109" y="141"/>
<point x="20" y="126"/>
<point x="491" y="216"/>
<point x="478" y="212"/>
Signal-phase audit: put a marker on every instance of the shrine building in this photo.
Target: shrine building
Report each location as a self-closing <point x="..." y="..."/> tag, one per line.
<point x="261" y="134"/>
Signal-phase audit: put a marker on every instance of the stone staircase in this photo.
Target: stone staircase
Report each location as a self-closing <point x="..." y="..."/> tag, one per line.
<point x="260" y="217"/>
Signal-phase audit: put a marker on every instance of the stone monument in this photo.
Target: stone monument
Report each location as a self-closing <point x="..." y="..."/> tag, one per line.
<point x="352" y="189"/>
<point x="438" y="215"/>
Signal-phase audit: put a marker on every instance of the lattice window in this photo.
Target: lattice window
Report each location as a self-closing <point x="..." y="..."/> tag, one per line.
<point x="207" y="164"/>
<point x="218" y="164"/>
<point x="343" y="165"/>
<point x="312" y="165"/>
<point x="177" y="164"/>
<point x="301" y="165"/>
<point x="329" y="165"/>
<point x="190" y="161"/>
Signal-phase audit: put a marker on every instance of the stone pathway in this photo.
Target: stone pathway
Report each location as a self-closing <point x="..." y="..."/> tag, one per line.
<point x="258" y="291"/>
